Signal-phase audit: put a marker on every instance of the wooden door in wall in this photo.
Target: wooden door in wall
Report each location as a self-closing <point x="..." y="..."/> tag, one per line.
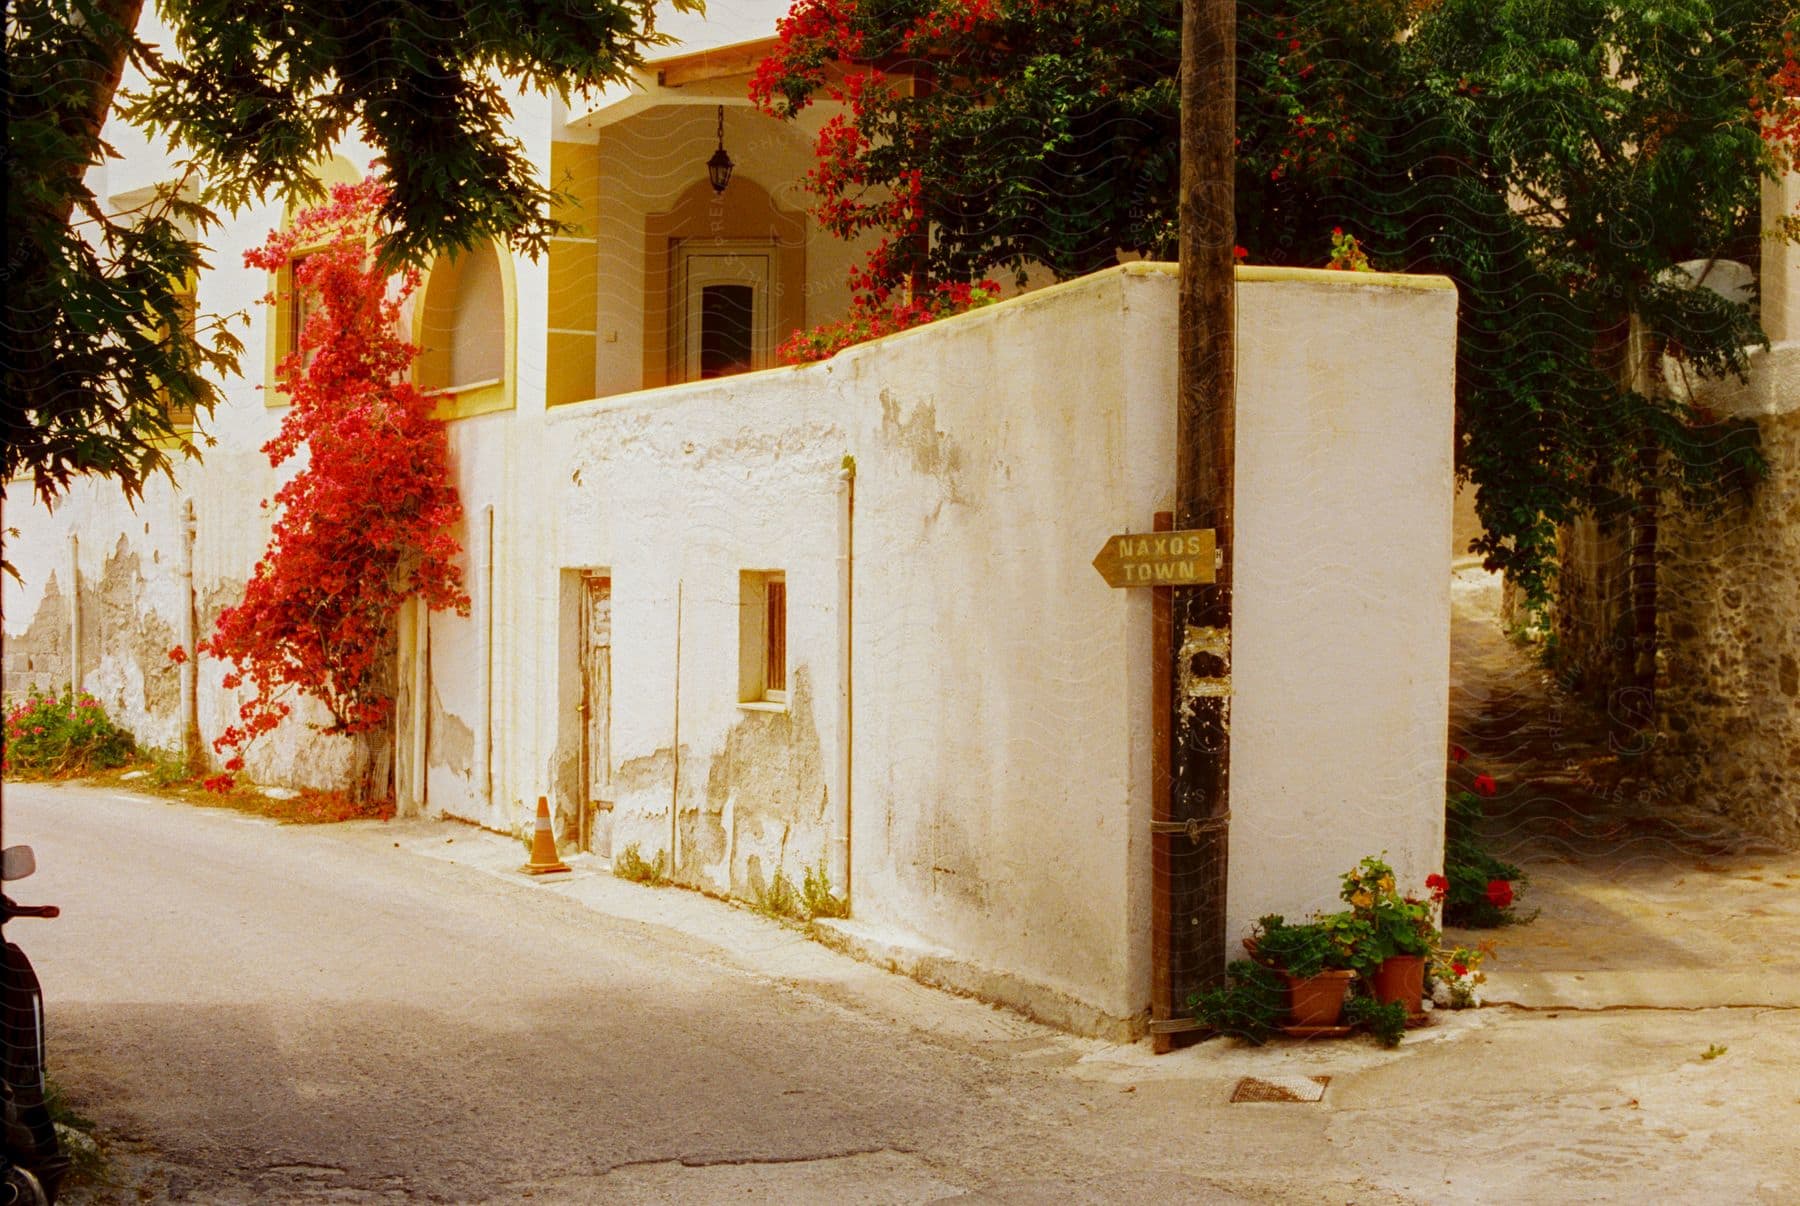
<point x="724" y="310"/>
<point x="596" y="708"/>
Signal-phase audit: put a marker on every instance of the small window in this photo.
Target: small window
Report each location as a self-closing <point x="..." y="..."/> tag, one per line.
<point x="762" y="633"/>
<point x="463" y="334"/>
<point x="302" y="304"/>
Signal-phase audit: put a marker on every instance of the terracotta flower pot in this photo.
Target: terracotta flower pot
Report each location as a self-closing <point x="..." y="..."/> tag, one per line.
<point x="1401" y="978"/>
<point x="1317" y="1000"/>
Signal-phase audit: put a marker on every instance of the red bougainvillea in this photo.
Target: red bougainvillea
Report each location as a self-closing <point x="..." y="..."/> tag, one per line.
<point x="367" y="521"/>
<point x="1772" y="100"/>
<point x="873" y="315"/>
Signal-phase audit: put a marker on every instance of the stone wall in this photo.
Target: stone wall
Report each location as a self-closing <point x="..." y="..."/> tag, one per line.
<point x="1730" y="624"/>
<point x="1727" y="735"/>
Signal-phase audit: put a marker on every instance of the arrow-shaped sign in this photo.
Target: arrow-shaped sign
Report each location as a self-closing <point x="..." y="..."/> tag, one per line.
<point x="1158" y="558"/>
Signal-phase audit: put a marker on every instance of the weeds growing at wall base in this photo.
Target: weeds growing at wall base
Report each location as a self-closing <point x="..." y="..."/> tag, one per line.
<point x="780" y="899"/>
<point x="816" y="895"/>
<point x="630" y="864"/>
<point x="812" y="900"/>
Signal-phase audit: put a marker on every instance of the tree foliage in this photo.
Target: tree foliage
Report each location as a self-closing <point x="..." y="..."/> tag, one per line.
<point x="96" y="348"/>
<point x="368" y="520"/>
<point x="1553" y="157"/>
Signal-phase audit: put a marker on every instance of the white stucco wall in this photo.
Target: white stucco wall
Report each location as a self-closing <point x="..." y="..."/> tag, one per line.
<point x="1342" y="588"/>
<point x="1001" y="787"/>
<point x="1001" y="712"/>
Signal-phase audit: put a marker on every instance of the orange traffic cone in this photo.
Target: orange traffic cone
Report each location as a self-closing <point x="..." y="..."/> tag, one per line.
<point x="543" y="845"/>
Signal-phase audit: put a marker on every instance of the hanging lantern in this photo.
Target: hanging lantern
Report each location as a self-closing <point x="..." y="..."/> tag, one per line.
<point x="718" y="168"/>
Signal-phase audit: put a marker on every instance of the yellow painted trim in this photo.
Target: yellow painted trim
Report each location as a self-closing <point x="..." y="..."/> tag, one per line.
<point x="485" y="399"/>
<point x="330" y="172"/>
<point x="1246" y="274"/>
<point x="482" y="400"/>
<point x="1263" y="273"/>
<point x="182" y="438"/>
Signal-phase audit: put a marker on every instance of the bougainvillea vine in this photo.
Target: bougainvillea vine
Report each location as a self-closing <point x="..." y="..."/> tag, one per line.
<point x="368" y="520"/>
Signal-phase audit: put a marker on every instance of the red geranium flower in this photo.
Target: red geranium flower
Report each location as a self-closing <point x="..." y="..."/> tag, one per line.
<point x="1461" y="969"/>
<point x="1458" y="754"/>
<point x="1440" y="887"/>
<point x="1500" y="893"/>
<point x="1485" y="785"/>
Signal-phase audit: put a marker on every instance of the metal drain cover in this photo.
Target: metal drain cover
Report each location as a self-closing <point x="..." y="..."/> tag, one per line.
<point x="1280" y="1088"/>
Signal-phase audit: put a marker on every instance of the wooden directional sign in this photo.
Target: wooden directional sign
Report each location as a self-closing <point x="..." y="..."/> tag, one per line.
<point x="1158" y="558"/>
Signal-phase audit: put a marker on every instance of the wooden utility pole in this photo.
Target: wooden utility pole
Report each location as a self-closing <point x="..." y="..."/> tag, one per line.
<point x="1204" y="473"/>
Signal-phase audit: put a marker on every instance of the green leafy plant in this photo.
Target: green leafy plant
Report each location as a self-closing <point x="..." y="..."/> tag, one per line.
<point x="1352" y="937"/>
<point x="817" y="897"/>
<point x="779" y="898"/>
<point x="630" y="864"/>
<point x="1386" y="1022"/>
<point x="48" y="735"/>
<point x="1552" y="158"/>
<point x="1347" y="254"/>
<point x="1249" y="1006"/>
<point x="1303" y="950"/>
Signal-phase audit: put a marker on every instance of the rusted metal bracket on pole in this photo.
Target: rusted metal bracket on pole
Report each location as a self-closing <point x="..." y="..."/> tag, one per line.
<point x="1194" y="827"/>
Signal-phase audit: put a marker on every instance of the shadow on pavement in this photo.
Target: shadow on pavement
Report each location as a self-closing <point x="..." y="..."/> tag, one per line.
<point x="1641" y="901"/>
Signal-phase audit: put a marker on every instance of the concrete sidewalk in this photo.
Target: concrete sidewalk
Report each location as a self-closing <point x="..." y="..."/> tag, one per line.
<point x="1578" y="1094"/>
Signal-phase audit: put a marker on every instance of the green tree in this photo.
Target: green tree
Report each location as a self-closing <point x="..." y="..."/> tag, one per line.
<point x="97" y="346"/>
<point x="1553" y="157"/>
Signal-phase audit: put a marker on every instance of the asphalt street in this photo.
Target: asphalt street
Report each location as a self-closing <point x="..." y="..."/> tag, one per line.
<point x="389" y="1012"/>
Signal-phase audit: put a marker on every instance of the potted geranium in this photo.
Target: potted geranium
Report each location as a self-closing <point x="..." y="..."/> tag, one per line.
<point x="1400" y="934"/>
<point x="1316" y="958"/>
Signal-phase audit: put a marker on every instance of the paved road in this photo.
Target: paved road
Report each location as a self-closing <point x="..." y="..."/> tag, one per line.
<point x="321" y="1013"/>
<point x="370" y="1012"/>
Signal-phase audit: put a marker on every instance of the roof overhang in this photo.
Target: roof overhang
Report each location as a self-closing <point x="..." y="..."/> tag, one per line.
<point x="700" y="77"/>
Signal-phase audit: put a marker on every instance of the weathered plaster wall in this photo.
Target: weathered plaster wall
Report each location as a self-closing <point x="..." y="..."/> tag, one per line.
<point x="1001" y="712"/>
<point x="673" y="493"/>
<point x="1002" y="788"/>
<point x="129" y="556"/>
